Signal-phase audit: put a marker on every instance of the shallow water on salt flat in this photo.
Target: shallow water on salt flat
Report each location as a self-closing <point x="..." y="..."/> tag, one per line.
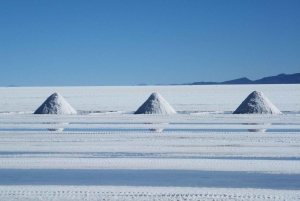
<point x="176" y="178"/>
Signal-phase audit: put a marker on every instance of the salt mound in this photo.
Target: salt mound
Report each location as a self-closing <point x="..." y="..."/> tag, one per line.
<point x="155" y="104"/>
<point x="256" y="103"/>
<point x="55" y="104"/>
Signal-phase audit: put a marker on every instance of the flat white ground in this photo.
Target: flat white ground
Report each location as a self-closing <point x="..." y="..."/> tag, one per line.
<point x="182" y="98"/>
<point x="113" y="156"/>
<point x="68" y="193"/>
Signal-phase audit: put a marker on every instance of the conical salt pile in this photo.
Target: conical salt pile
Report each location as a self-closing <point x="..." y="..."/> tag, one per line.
<point x="155" y="104"/>
<point x="55" y="104"/>
<point x="256" y="103"/>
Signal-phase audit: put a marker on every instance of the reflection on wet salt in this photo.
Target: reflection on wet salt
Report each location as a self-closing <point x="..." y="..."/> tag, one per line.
<point x="259" y="129"/>
<point x="57" y="129"/>
<point x="157" y="130"/>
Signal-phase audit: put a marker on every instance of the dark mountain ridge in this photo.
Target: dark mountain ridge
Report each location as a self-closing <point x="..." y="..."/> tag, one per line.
<point x="278" y="79"/>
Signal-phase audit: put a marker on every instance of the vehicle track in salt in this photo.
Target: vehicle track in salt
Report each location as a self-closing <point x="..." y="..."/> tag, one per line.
<point x="282" y="137"/>
<point x="33" y="193"/>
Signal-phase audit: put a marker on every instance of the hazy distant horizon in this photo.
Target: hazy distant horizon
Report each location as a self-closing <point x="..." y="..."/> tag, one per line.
<point x="145" y="84"/>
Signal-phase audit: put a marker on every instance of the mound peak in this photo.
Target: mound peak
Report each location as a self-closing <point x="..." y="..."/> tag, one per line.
<point x="55" y="104"/>
<point x="155" y="104"/>
<point x="256" y="103"/>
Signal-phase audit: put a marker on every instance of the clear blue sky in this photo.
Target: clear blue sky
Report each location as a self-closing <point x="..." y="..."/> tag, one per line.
<point x="127" y="42"/>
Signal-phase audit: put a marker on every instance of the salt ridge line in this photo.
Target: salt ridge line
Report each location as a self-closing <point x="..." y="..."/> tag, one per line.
<point x="147" y="155"/>
<point x="181" y="136"/>
<point x="164" y="116"/>
<point x="160" y="155"/>
<point x="184" y="137"/>
<point x="207" y="151"/>
<point x="147" y="126"/>
<point x="200" y="141"/>
<point x="145" y="193"/>
<point x="168" y="135"/>
<point x="265" y="166"/>
<point x="154" y="118"/>
<point x="147" y="133"/>
<point x="286" y="142"/>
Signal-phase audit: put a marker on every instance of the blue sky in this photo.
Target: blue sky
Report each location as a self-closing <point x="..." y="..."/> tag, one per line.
<point x="127" y="42"/>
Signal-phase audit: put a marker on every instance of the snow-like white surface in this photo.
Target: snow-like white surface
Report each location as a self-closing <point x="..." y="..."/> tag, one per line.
<point x="182" y="98"/>
<point x="256" y="103"/>
<point x="165" y="146"/>
<point x="146" y="193"/>
<point x="155" y="104"/>
<point x="107" y="152"/>
<point x="195" y="118"/>
<point x="147" y="144"/>
<point x="55" y="104"/>
<point x="264" y="166"/>
<point x="149" y="126"/>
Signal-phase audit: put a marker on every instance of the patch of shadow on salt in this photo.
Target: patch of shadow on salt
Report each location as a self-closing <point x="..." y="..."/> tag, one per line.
<point x="23" y="129"/>
<point x="147" y="130"/>
<point x="104" y="130"/>
<point x="137" y="155"/>
<point x="282" y="130"/>
<point x="205" y="130"/>
<point x="176" y="178"/>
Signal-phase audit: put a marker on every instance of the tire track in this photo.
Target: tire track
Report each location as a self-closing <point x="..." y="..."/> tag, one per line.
<point x="67" y="193"/>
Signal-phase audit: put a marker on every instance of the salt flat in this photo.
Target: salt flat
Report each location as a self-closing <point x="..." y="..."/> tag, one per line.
<point x="165" y="144"/>
<point x="182" y="98"/>
<point x="67" y="193"/>
<point x="107" y="153"/>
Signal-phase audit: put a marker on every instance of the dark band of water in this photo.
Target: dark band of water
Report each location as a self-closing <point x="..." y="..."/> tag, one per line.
<point x="176" y="178"/>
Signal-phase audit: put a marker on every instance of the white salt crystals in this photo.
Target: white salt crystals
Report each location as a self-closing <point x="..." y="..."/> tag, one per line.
<point x="155" y="104"/>
<point x="256" y="103"/>
<point x="55" y="104"/>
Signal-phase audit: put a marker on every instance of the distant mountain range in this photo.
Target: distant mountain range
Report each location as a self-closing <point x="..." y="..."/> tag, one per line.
<point x="278" y="79"/>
